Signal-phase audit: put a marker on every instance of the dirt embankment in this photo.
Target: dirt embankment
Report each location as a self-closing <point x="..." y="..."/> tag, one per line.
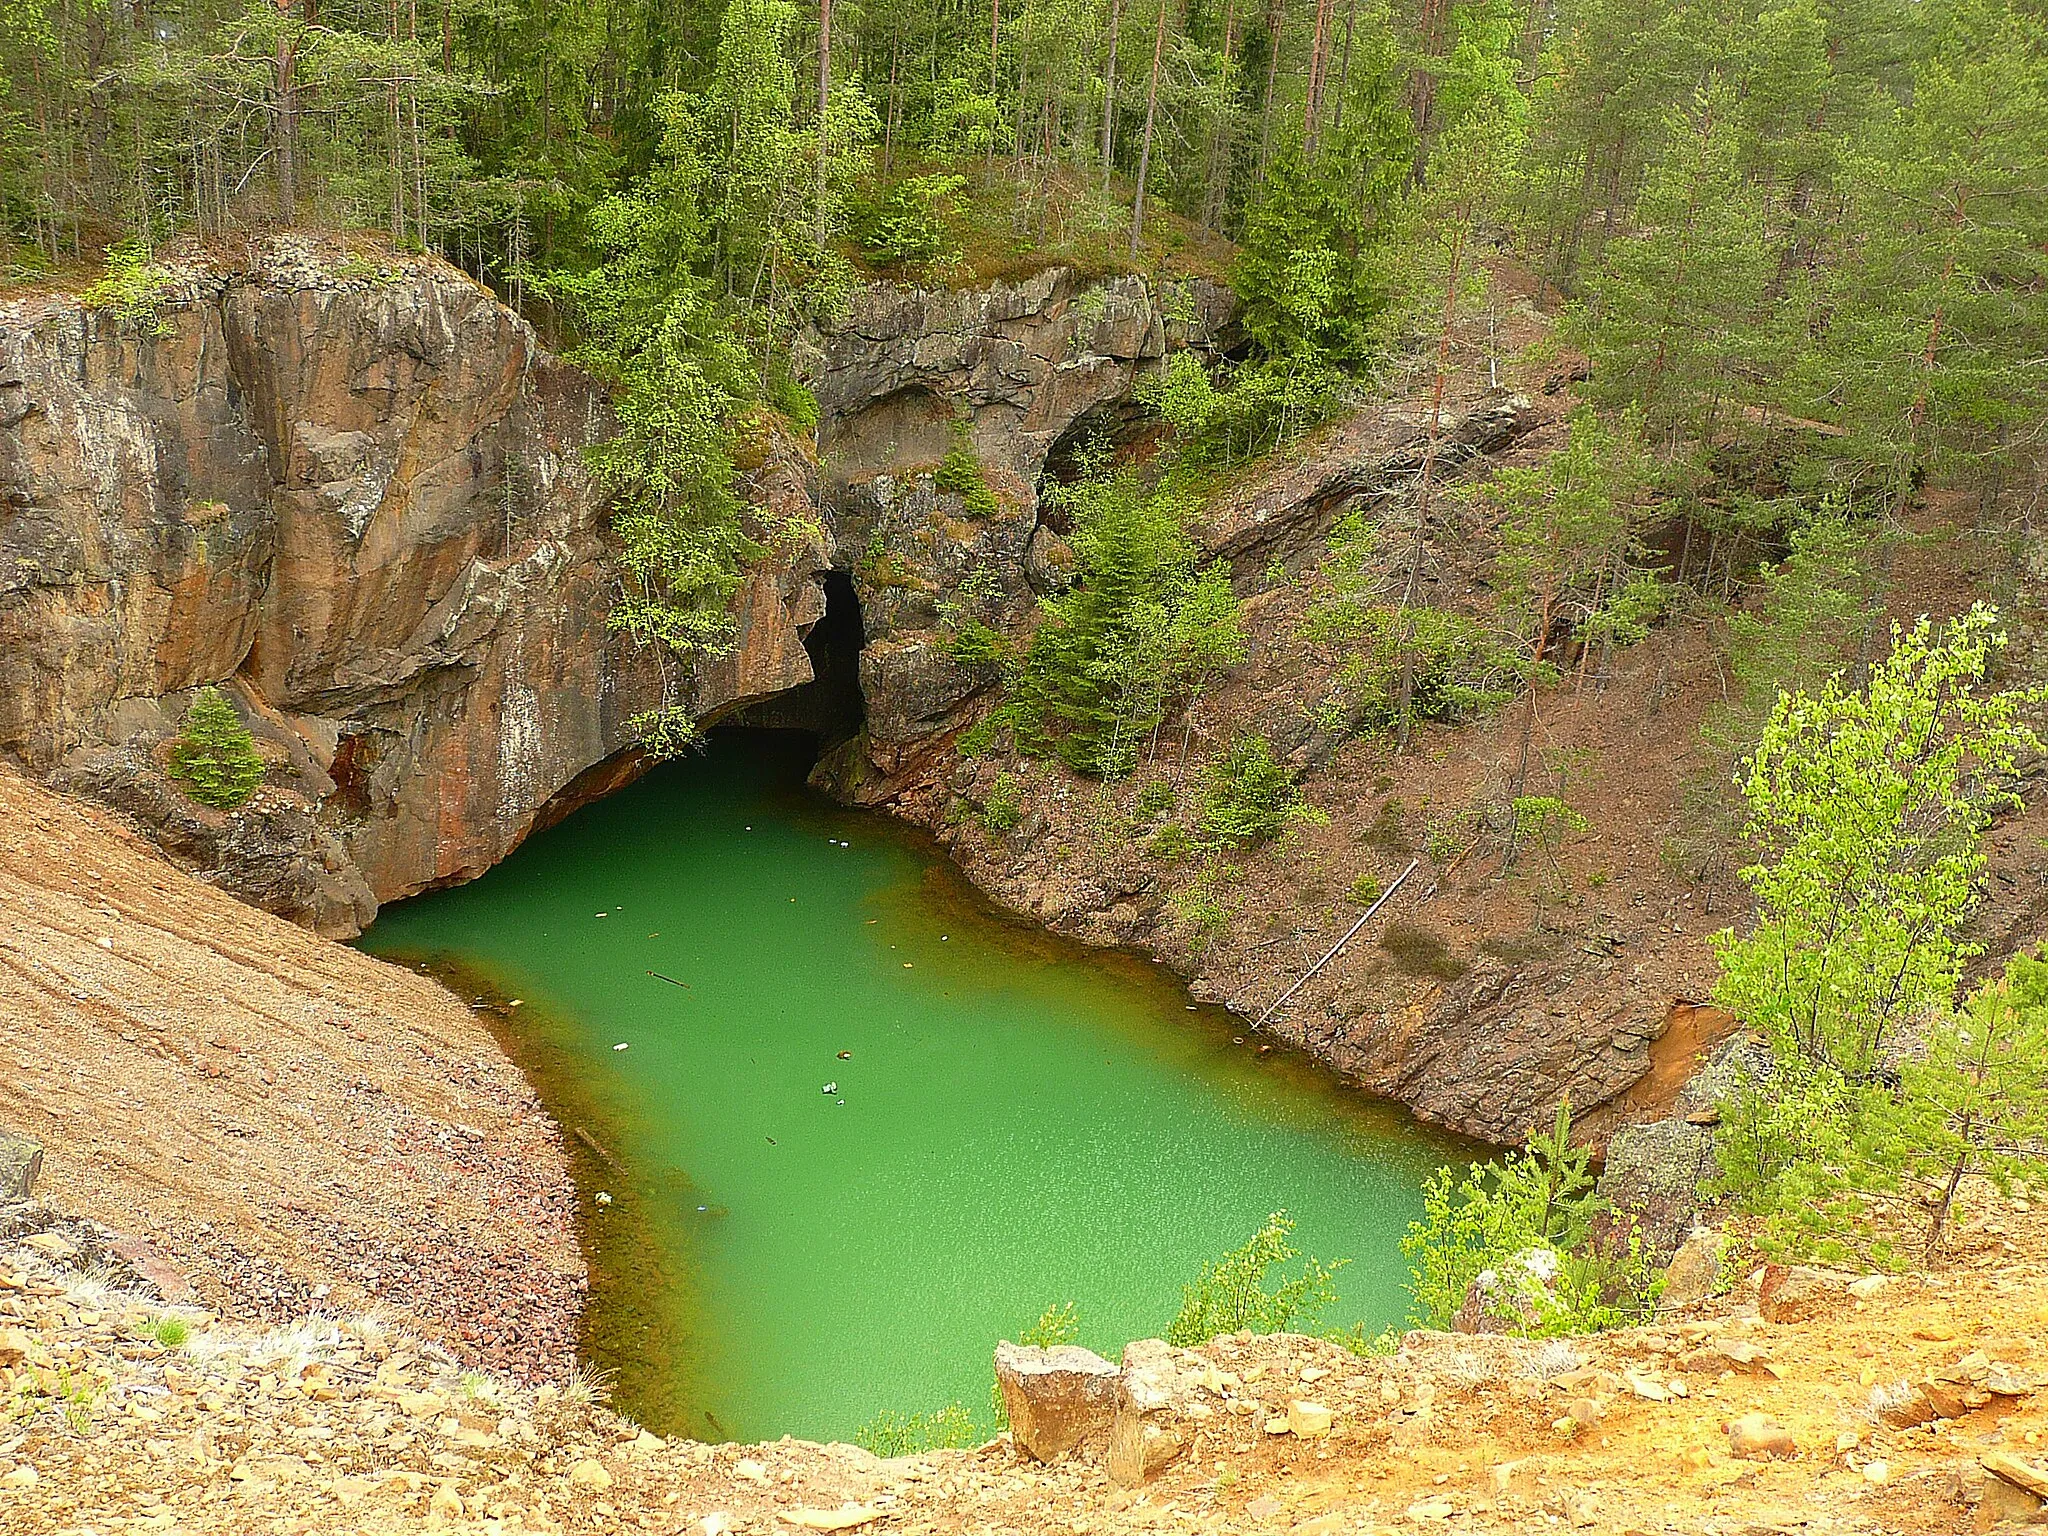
<point x="1918" y="1406"/>
<point x="280" y="1122"/>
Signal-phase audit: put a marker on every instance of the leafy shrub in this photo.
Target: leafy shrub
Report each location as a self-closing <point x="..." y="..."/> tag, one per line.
<point x="1523" y="1230"/>
<point x="1230" y="1295"/>
<point x="1171" y="843"/>
<point x="890" y="1433"/>
<point x="960" y="474"/>
<point x="1156" y="799"/>
<point x="171" y="1332"/>
<point x="908" y="222"/>
<point x="1251" y="797"/>
<point x="1365" y="890"/>
<point x="132" y="288"/>
<point x="1260" y="407"/>
<point x="215" y="756"/>
<point x="1000" y="810"/>
<point x="978" y="646"/>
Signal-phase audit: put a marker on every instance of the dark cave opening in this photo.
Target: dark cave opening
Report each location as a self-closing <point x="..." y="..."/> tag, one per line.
<point x="830" y="705"/>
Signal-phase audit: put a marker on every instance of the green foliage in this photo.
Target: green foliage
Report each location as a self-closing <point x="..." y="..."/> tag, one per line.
<point x="1868" y="807"/>
<point x="978" y="646"/>
<point x="214" y="756"/>
<point x="960" y="474"/>
<point x="908" y="223"/>
<point x="1522" y="1230"/>
<point x="1365" y="890"/>
<point x="132" y="288"/>
<point x="1251" y="797"/>
<point x="1142" y="628"/>
<point x="1000" y="811"/>
<point x="890" y="1433"/>
<point x="1230" y="1294"/>
<point x="171" y="1332"/>
<point x="1261" y="406"/>
<point x="1976" y="1104"/>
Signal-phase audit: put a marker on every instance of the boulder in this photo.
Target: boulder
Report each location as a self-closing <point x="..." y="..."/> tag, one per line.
<point x="1792" y="1293"/>
<point x="1694" y="1272"/>
<point x="1158" y="1409"/>
<point x="1653" y="1176"/>
<point x="21" y="1164"/>
<point x="1056" y="1398"/>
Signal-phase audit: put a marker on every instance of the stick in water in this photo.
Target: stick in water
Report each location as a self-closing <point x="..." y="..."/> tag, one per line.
<point x="1385" y="896"/>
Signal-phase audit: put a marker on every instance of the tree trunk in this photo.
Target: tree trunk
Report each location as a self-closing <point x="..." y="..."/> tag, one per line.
<point x="1422" y="492"/>
<point x="1276" y="21"/>
<point x="1151" y="112"/>
<point x="285" y="85"/>
<point x="1318" y="69"/>
<point x="1116" y="12"/>
<point x="1344" y="67"/>
<point x="824" y="104"/>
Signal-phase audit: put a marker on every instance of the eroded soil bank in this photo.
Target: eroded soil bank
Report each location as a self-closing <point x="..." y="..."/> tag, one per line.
<point x="280" y="1123"/>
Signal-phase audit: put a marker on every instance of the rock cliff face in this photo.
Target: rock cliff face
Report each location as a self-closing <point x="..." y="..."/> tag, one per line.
<point x="359" y="502"/>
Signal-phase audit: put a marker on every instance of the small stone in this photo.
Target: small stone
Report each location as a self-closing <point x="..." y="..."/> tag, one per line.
<point x="1877" y="1473"/>
<point x="1867" y="1287"/>
<point x="2021" y="1474"/>
<point x="1310" y="1421"/>
<point x="447" y="1502"/>
<point x="54" y="1246"/>
<point x="750" y="1470"/>
<point x="1645" y="1388"/>
<point x="1264" y="1507"/>
<point x="1759" y="1437"/>
<point x="589" y="1473"/>
<point x="20" y="1477"/>
<point x="1277" y="1426"/>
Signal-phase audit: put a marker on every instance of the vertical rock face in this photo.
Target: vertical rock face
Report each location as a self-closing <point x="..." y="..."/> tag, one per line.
<point x="359" y="502"/>
<point x="1016" y="376"/>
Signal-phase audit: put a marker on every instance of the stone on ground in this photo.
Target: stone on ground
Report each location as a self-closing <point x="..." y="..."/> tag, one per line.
<point x="1056" y="1397"/>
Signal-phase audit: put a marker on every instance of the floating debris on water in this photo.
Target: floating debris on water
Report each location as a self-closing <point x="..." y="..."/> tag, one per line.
<point x="846" y="1055"/>
<point x="620" y="1046"/>
<point x="831" y="1088"/>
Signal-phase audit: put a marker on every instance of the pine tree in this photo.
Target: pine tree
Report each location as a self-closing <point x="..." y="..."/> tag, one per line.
<point x="215" y="756"/>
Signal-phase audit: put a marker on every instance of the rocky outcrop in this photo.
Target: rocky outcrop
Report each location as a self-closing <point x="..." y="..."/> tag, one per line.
<point x="358" y="499"/>
<point x="1011" y="375"/>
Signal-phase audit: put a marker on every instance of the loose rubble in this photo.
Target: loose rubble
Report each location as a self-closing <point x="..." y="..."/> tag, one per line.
<point x="120" y="1411"/>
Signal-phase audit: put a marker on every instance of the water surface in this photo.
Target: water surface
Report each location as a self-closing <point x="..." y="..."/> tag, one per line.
<point x="863" y="1125"/>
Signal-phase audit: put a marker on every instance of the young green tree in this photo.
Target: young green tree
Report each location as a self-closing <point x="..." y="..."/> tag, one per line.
<point x="1976" y="1104"/>
<point x="1230" y="1294"/>
<point x="1868" y="807"/>
<point x="214" y="756"/>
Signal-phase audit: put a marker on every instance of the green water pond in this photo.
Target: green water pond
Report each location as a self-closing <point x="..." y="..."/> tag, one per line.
<point x="850" y="1125"/>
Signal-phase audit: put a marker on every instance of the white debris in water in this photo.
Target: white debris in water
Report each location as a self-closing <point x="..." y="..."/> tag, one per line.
<point x="620" y="1046"/>
<point x="831" y="1088"/>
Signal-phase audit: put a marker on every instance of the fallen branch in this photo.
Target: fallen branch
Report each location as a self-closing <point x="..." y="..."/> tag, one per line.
<point x="1331" y="954"/>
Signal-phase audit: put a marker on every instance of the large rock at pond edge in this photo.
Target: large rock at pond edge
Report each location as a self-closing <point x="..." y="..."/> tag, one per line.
<point x="1056" y="1397"/>
<point x="21" y="1163"/>
<point x="1653" y="1176"/>
<point x="1157" y="1410"/>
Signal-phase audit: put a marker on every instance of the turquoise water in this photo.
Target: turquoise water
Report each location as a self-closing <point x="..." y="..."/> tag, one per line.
<point x="862" y="1125"/>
